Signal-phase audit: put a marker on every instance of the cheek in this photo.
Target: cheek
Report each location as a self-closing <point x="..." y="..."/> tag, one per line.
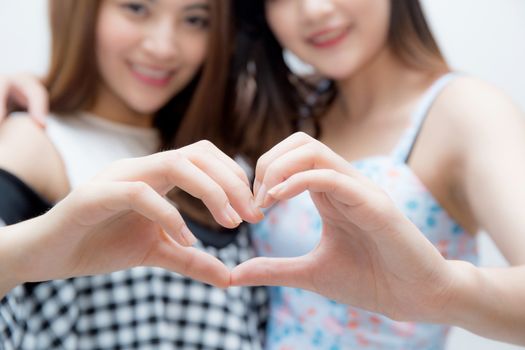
<point x="195" y="51"/>
<point x="281" y="19"/>
<point x="114" y="35"/>
<point x="377" y="13"/>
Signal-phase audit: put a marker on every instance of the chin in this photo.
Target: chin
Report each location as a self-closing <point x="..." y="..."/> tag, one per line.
<point x="147" y="107"/>
<point x="340" y="65"/>
<point x="336" y="75"/>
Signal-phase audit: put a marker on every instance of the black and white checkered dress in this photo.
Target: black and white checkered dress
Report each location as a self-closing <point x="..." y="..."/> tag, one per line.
<point x="139" y="308"/>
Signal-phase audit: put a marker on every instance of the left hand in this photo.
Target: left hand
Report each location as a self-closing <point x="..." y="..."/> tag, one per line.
<point x="122" y="219"/>
<point x="370" y="255"/>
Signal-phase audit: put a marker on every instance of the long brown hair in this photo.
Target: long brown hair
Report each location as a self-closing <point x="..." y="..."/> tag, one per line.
<point x="200" y="111"/>
<point x="285" y="102"/>
<point x="195" y="113"/>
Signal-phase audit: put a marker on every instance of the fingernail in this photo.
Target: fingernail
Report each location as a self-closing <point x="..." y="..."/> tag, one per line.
<point x="188" y="236"/>
<point x="260" y="195"/>
<point x="256" y="186"/>
<point x="276" y="189"/>
<point x="42" y="122"/>
<point x="232" y="215"/>
<point x="256" y="211"/>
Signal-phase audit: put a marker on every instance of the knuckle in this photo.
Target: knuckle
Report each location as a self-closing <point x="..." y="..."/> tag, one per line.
<point x="302" y="136"/>
<point x="137" y="190"/>
<point x="170" y="213"/>
<point x="262" y="163"/>
<point x="169" y="163"/>
<point x="206" y="144"/>
<point x="334" y="174"/>
<point x="171" y="157"/>
<point x="316" y="149"/>
<point x="121" y="163"/>
<point x="337" y="180"/>
<point x="85" y="192"/>
<point x="272" y="171"/>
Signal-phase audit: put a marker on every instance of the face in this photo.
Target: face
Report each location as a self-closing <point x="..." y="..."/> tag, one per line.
<point x="337" y="37"/>
<point x="149" y="50"/>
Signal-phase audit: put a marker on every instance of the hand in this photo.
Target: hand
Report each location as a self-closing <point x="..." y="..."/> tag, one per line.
<point x="369" y="256"/>
<point x="121" y="219"/>
<point x="25" y="91"/>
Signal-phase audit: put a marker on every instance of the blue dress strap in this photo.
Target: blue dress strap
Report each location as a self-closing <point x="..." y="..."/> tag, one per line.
<point x="404" y="148"/>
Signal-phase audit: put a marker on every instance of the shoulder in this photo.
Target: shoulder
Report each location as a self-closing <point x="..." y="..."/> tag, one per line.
<point x="28" y="153"/>
<point x="474" y="115"/>
<point x="473" y="105"/>
<point x="479" y="126"/>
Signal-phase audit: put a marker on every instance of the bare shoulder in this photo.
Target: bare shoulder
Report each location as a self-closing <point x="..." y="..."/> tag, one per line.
<point x="474" y="129"/>
<point x="474" y="106"/>
<point x="27" y="152"/>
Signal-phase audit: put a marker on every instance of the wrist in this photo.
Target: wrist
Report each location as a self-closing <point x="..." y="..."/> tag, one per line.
<point x="18" y="244"/>
<point x="461" y="305"/>
<point x="487" y="301"/>
<point x="8" y="253"/>
<point x="472" y="304"/>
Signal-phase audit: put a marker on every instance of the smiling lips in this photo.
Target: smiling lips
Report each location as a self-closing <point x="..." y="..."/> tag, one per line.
<point x="152" y="76"/>
<point x="328" y="37"/>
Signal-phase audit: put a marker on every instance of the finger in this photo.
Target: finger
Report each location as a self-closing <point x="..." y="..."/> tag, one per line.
<point x="290" y="272"/>
<point x="175" y="169"/>
<point x="102" y="201"/>
<point x="189" y="178"/>
<point x="192" y="263"/>
<point x="29" y="93"/>
<point x="166" y="170"/>
<point x="296" y="140"/>
<point x="364" y="205"/>
<point x="238" y="191"/>
<point x="208" y="146"/>
<point x="341" y="187"/>
<point x="145" y="201"/>
<point x="313" y="155"/>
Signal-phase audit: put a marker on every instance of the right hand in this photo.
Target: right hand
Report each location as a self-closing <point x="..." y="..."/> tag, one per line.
<point x="121" y="219"/>
<point x="24" y="91"/>
<point x="370" y="254"/>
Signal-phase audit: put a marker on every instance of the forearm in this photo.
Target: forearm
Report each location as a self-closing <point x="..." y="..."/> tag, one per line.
<point x="12" y="251"/>
<point x="489" y="302"/>
<point x="6" y="285"/>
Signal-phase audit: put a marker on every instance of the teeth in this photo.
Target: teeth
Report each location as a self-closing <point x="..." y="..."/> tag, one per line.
<point x="328" y="36"/>
<point x="151" y="72"/>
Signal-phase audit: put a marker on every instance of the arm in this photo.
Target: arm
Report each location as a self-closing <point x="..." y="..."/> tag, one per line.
<point x="8" y="276"/>
<point x="491" y="182"/>
<point x="488" y="302"/>
<point x="371" y="256"/>
<point x="121" y="219"/>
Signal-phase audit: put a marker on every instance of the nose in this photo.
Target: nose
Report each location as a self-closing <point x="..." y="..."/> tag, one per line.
<point x="161" y="41"/>
<point x="316" y="10"/>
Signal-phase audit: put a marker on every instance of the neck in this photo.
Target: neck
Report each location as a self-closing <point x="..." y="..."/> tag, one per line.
<point x="111" y="107"/>
<point x="381" y="84"/>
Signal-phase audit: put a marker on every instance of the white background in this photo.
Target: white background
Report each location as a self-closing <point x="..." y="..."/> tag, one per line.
<point x="485" y="38"/>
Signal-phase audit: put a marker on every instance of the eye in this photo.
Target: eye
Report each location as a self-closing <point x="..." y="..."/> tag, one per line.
<point x="136" y="9"/>
<point x="197" y="21"/>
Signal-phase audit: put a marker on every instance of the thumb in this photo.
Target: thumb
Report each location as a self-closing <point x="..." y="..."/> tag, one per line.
<point x="290" y="272"/>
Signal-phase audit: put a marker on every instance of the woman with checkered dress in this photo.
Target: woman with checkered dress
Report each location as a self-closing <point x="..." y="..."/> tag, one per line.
<point x="129" y="78"/>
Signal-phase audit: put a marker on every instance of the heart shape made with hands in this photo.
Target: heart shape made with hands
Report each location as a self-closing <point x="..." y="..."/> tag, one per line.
<point x="370" y="255"/>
